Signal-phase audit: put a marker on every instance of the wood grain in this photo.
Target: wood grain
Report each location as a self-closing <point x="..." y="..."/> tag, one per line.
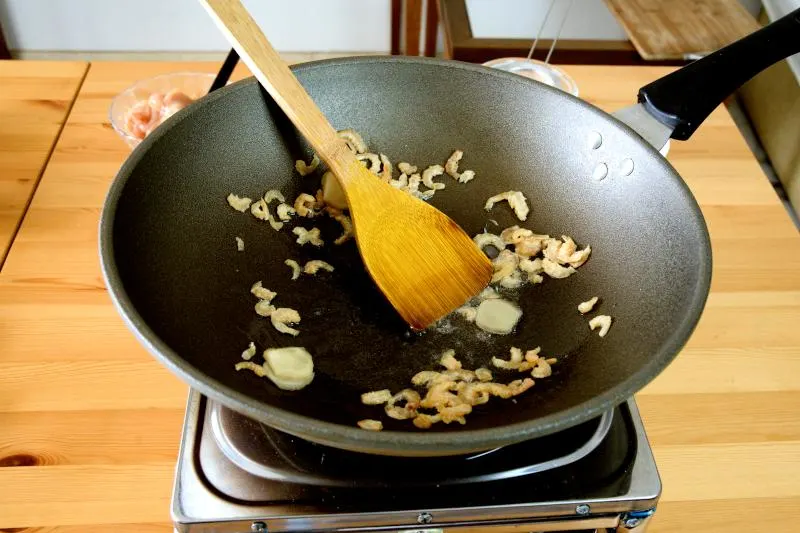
<point x="413" y="25"/>
<point x="679" y="29"/>
<point x="421" y="260"/>
<point x="95" y="438"/>
<point x="242" y="32"/>
<point x="101" y="444"/>
<point x="431" y="27"/>
<point x="35" y="99"/>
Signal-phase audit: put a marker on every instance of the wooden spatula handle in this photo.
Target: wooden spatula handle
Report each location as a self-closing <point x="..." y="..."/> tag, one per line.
<point x="266" y="65"/>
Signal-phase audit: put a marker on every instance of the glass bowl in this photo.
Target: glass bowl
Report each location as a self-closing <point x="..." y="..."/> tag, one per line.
<point x="536" y="70"/>
<point x="192" y="84"/>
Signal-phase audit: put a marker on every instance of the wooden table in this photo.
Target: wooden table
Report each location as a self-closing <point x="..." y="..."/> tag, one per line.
<point x="35" y="99"/>
<point x="89" y="422"/>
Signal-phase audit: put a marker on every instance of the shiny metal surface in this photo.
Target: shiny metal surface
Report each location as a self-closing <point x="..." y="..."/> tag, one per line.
<point x="645" y="124"/>
<point x="246" y="444"/>
<point x="197" y="507"/>
<point x="634" y="525"/>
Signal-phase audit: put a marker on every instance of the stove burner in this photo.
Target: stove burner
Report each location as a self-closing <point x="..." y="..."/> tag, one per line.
<point x="609" y="486"/>
<point x="268" y="453"/>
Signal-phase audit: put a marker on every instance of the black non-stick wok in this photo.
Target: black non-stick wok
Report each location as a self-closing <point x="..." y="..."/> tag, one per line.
<point x="171" y="264"/>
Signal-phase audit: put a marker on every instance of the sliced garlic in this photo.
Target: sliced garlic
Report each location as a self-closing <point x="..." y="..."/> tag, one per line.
<point x="289" y="368"/>
<point x="497" y="316"/>
<point x="292" y="363"/>
<point x="332" y="192"/>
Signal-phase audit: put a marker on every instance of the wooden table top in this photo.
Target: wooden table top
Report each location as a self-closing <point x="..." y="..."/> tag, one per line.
<point x="90" y="421"/>
<point x="35" y="99"/>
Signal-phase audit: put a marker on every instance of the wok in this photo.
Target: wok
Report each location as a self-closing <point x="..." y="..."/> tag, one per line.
<point x="171" y="265"/>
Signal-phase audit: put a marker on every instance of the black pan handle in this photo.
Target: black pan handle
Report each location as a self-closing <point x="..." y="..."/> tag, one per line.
<point x="682" y="100"/>
<point x="225" y="71"/>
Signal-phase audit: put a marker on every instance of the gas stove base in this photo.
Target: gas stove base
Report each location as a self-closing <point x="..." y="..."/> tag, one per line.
<point x="200" y="507"/>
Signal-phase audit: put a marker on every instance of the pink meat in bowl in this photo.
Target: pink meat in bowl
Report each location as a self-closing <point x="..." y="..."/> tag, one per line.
<point x="141" y="108"/>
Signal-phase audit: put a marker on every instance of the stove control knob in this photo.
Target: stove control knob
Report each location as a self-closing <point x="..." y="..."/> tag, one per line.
<point x="258" y="527"/>
<point x="424" y="518"/>
<point x="582" y="509"/>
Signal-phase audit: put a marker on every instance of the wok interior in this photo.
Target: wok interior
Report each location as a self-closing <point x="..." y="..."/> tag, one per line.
<point x="173" y="238"/>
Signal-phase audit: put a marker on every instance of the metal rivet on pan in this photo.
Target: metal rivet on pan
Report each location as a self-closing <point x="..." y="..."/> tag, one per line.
<point x="600" y="171"/>
<point x="582" y="509"/>
<point x="627" y="166"/>
<point x="595" y="140"/>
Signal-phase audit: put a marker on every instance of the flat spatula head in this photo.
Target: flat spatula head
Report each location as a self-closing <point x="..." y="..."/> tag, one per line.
<point x="421" y="260"/>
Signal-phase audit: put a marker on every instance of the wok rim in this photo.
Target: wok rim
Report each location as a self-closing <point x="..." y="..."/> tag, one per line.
<point x="461" y="440"/>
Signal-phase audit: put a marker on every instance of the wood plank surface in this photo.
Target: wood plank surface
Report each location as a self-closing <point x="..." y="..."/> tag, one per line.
<point x="89" y="422"/>
<point x="35" y="98"/>
<point x="680" y="29"/>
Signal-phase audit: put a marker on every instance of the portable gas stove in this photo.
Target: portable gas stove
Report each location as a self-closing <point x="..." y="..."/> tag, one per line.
<point x="237" y="475"/>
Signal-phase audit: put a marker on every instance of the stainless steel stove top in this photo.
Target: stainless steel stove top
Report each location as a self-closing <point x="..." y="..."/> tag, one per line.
<point x="235" y="475"/>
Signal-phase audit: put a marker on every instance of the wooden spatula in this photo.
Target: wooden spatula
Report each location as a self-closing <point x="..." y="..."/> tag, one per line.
<point x="419" y="258"/>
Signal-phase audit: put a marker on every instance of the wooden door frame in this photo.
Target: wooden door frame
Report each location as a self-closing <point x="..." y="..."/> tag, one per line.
<point x="406" y="18"/>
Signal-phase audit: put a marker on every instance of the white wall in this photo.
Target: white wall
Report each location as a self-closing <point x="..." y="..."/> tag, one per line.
<point x="292" y="25"/>
<point x="184" y="26"/>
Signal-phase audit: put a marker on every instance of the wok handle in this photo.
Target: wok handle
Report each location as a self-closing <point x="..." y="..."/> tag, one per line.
<point x="682" y="100"/>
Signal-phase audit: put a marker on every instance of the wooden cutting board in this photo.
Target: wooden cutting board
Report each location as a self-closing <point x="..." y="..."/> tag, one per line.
<point x="681" y="29"/>
<point x="35" y="99"/>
